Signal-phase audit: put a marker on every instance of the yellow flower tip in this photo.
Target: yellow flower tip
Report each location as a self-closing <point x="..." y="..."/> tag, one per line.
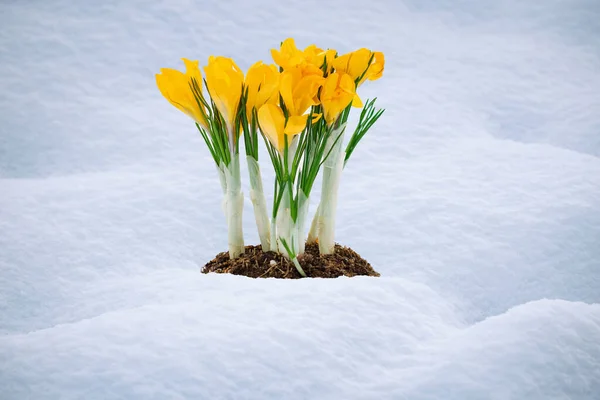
<point x="190" y="65"/>
<point x="288" y="55"/>
<point x="338" y="91"/>
<point x="174" y="85"/>
<point x="312" y="53"/>
<point x="276" y="55"/>
<point x="317" y="57"/>
<point x="312" y="49"/>
<point x="361" y="63"/>
<point x="289" y="45"/>
<point x="299" y="91"/>
<point x="224" y="80"/>
<point x="262" y="84"/>
<point x="329" y="56"/>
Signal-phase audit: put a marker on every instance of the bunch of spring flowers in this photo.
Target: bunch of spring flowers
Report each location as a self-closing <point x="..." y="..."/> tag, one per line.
<point x="300" y="109"/>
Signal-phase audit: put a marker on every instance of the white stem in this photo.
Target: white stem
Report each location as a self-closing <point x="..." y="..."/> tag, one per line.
<point x="223" y="179"/>
<point x="287" y="245"/>
<point x="284" y="223"/>
<point x="235" y="206"/>
<point x="313" y="233"/>
<point x="290" y="231"/>
<point x="285" y="226"/>
<point x="289" y="253"/>
<point x="257" y="195"/>
<point x="273" y="239"/>
<point x="332" y="171"/>
<point x="303" y="205"/>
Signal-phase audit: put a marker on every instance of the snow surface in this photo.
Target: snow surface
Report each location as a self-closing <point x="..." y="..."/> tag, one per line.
<point x="477" y="197"/>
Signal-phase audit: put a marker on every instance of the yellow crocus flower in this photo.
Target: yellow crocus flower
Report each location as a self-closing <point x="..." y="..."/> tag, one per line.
<point x="317" y="57"/>
<point x="338" y="91"/>
<point x="361" y="63"/>
<point x="262" y="83"/>
<point x="310" y="60"/>
<point x="288" y="55"/>
<point x="224" y="80"/>
<point x="275" y="127"/>
<point x="375" y="70"/>
<point x="314" y="55"/>
<point x="174" y="85"/>
<point x="299" y="91"/>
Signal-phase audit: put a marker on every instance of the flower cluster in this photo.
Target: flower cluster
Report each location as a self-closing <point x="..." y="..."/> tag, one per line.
<point x="300" y="108"/>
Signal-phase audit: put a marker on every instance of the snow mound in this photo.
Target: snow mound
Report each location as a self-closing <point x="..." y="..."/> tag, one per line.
<point x="546" y="349"/>
<point x="477" y="197"/>
<point x="227" y="337"/>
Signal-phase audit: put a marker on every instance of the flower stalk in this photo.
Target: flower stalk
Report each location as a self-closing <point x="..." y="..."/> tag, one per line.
<point x="332" y="172"/>
<point x="235" y="207"/>
<point x="322" y="228"/>
<point x="259" y="203"/>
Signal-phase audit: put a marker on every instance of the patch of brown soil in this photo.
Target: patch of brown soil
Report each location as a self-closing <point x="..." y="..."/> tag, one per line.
<point x="255" y="263"/>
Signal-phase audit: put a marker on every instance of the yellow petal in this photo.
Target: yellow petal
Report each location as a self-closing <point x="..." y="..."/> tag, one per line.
<point x="355" y="63"/>
<point x="340" y="63"/>
<point x="310" y="69"/>
<point x="338" y="91"/>
<point x="269" y="86"/>
<point x="192" y="70"/>
<point x="329" y="57"/>
<point x="272" y="123"/>
<point x="169" y="83"/>
<point x="277" y="57"/>
<point x="253" y="76"/>
<point x="357" y="102"/>
<point x="295" y="125"/>
<point x="314" y="55"/>
<point x="252" y="83"/>
<point x="175" y="87"/>
<point x="262" y="82"/>
<point x="305" y="93"/>
<point x="346" y="84"/>
<point x="312" y="50"/>
<point x="329" y="86"/>
<point x="376" y="69"/>
<point x="359" y="62"/>
<point x="286" y="88"/>
<point x="224" y="80"/>
<point x="289" y="46"/>
<point x="288" y="55"/>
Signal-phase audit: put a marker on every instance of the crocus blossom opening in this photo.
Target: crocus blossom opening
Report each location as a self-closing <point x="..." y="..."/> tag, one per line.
<point x="177" y="88"/>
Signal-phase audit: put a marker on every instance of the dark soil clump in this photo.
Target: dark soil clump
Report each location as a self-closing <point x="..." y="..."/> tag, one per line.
<point x="255" y="263"/>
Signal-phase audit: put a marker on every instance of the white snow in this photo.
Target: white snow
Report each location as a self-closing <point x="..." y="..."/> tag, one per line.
<point x="477" y="197"/>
